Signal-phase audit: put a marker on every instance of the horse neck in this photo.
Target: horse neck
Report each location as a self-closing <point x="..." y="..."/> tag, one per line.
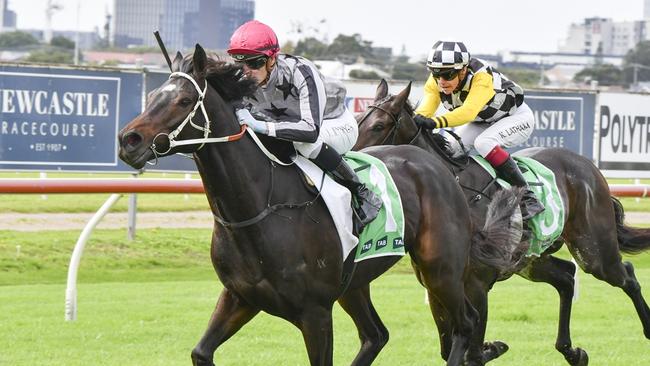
<point x="423" y="141"/>
<point x="235" y="175"/>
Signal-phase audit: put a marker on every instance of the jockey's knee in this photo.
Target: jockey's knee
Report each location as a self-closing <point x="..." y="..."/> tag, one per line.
<point x="485" y="144"/>
<point x="309" y="150"/>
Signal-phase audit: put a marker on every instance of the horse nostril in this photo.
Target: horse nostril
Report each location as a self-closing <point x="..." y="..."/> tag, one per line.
<point x="131" y="140"/>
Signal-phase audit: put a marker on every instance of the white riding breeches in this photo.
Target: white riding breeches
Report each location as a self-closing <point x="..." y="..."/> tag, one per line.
<point x="507" y="132"/>
<point x="340" y="133"/>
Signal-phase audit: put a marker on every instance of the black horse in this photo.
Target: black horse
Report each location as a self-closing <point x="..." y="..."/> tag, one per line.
<point x="593" y="230"/>
<point x="276" y="249"/>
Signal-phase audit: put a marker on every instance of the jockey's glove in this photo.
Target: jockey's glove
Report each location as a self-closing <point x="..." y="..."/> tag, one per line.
<point x="425" y="122"/>
<point x="246" y="118"/>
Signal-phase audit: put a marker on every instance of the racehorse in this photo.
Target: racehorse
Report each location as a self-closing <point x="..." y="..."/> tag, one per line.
<point x="276" y="249"/>
<point x="594" y="231"/>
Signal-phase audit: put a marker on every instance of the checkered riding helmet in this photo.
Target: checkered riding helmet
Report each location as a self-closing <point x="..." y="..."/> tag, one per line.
<point x="253" y="38"/>
<point x="447" y="55"/>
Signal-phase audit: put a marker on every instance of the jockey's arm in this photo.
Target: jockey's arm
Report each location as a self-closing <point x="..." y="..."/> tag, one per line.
<point x="480" y="93"/>
<point x="311" y="93"/>
<point x="430" y="100"/>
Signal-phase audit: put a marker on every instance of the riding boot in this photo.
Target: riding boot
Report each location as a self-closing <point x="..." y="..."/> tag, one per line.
<point x="510" y="172"/>
<point x="367" y="202"/>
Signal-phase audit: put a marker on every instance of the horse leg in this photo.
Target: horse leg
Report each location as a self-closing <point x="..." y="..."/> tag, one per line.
<point x="440" y="316"/>
<point x="448" y="291"/>
<point x="605" y="262"/>
<point x="477" y="287"/>
<point x="633" y="290"/>
<point x="315" y="323"/>
<point x="229" y="315"/>
<point x="559" y="273"/>
<point x="372" y="332"/>
<point x="443" y="323"/>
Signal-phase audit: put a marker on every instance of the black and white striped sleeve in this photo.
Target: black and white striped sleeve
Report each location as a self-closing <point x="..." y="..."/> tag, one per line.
<point x="312" y="99"/>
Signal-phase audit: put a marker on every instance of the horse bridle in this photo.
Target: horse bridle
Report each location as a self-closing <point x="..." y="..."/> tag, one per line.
<point x="269" y="209"/>
<point x="397" y="121"/>
<point x="206" y="124"/>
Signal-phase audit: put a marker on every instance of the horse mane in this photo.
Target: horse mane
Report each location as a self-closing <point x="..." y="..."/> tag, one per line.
<point x="227" y="78"/>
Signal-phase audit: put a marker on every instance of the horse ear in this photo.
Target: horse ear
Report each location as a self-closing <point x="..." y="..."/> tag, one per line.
<point x="401" y="98"/>
<point x="382" y="90"/>
<point x="200" y="59"/>
<point x="176" y="64"/>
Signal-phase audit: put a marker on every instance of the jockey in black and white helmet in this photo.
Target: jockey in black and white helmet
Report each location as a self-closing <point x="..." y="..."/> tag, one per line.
<point x="488" y="109"/>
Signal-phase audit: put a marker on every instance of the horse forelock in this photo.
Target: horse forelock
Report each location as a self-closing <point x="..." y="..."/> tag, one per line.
<point x="225" y="77"/>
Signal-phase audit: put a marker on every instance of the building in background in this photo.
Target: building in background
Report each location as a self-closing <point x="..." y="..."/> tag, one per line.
<point x="135" y="21"/>
<point x="181" y="23"/>
<point x="603" y="36"/>
<point x="7" y="17"/>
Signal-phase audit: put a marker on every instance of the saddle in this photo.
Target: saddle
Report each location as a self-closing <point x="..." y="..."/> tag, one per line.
<point x="545" y="227"/>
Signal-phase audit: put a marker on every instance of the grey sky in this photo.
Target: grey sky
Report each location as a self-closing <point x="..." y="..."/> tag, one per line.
<point x="485" y="26"/>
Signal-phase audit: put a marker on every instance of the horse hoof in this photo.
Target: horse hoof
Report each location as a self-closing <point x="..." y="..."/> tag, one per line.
<point x="580" y="358"/>
<point x="492" y="350"/>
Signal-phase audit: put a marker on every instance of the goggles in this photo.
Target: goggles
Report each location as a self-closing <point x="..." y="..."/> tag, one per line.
<point x="445" y="74"/>
<point x="252" y="63"/>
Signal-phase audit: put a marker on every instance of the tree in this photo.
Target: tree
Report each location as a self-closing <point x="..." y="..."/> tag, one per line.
<point x="16" y="39"/>
<point x="408" y="71"/>
<point x="526" y="78"/>
<point x="60" y="41"/>
<point x="637" y="63"/>
<point x="605" y="74"/>
<point x="350" y="47"/>
<point x="50" y="56"/>
<point x="362" y="74"/>
<point x="310" y="48"/>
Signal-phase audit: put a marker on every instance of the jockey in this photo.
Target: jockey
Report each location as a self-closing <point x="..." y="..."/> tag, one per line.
<point x="489" y="107"/>
<point x="295" y="102"/>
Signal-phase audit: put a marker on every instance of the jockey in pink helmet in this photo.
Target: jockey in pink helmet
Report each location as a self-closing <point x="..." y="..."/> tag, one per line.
<point x="295" y="102"/>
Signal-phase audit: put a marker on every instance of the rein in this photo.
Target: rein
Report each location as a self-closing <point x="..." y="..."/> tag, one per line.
<point x="454" y="165"/>
<point x="269" y="209"/>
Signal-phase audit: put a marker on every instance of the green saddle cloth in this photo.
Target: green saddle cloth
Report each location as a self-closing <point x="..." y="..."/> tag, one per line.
<point x="385" y="234"/>
<point x="546" y="226"/>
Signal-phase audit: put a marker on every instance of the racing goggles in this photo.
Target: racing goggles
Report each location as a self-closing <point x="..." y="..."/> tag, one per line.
<point x="445" y="74"/>
<point x="252" y="63"/>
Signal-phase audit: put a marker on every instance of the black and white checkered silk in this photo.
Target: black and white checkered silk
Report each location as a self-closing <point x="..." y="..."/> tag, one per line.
<point x="508" y="95"/>
<point x="446" y="54"/>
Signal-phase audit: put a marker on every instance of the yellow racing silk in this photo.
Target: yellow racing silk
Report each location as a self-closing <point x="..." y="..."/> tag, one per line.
<point x="485" y="96"/>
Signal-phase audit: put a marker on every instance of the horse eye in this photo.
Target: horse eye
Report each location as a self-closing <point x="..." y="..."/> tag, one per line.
<point x="185" y="102"/>
<point x="378" y="127"/>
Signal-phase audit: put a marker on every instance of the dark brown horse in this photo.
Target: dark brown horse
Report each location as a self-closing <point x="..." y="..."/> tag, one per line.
<point x="276" y="249"/>
<point x="593" y="230"/>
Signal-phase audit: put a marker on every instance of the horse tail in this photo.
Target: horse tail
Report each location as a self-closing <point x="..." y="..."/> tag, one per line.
<point x="631" y="240"/>
<point x="499" y="243"/>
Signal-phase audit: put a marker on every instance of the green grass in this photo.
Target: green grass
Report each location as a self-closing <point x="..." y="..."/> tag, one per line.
<point x="155" y="255"/>
<point x="147" y="302"/>
<point x="158" y="323"/>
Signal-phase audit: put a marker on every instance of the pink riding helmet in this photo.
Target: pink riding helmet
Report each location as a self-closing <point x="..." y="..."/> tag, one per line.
<point x="254" y="38"/>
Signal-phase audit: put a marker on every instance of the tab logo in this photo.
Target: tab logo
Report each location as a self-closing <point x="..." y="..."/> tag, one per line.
<point x="366" y="246"/>
<point x="398" y="243"/>
<point x="382" y="242"/>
